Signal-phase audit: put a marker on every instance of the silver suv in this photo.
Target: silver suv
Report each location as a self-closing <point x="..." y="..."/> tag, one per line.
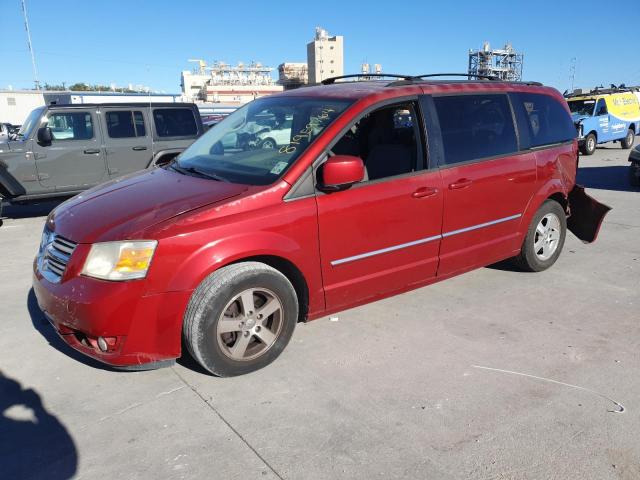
<point x="62" y="150"/>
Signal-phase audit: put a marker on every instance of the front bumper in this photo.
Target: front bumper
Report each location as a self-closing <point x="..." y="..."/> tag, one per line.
<point x="140" y="329"/>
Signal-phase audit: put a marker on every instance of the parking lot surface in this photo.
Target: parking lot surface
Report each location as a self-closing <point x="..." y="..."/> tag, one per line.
<point x="496" y="374"/>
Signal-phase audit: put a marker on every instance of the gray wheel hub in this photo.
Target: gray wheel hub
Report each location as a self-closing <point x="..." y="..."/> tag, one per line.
<point x="250" y="324"/>
<point x="547" y="236"/>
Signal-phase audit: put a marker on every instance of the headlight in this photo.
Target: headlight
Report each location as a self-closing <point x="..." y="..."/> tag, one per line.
<point x="119" y="260"/>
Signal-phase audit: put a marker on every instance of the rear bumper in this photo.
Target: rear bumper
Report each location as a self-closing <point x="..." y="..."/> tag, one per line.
<point x="140" y="329"/>
<point x="586" y="215"/>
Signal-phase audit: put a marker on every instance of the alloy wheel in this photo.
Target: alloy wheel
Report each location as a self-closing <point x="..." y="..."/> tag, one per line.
<point x="547" y="236"/>
<point x="250" y="324"/>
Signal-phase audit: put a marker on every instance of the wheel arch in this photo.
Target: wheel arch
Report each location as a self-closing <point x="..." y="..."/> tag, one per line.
<point x="278" y="251"/>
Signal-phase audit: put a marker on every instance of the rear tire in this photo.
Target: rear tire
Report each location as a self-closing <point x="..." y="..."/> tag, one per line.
<point x="627" y="142"/>
<point x="589" y="145"/>
<point x="545" y="238"/>
<point x="240" y="318"/>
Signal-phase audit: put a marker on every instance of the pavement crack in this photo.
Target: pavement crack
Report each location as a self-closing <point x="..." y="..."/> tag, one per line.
<point x="619" y="407"/>
<point x="227" y="423"/>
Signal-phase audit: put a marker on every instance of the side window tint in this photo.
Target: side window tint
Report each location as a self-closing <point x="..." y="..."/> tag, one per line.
<point x="601" y="107"/>
<point x="546" y="121"/>
<point x="175" y="122"/>
<point x="475" y="127"/>
<point x="388" y="141"/>
<point x="71" y="125"/>
<point x="125" y="124"/>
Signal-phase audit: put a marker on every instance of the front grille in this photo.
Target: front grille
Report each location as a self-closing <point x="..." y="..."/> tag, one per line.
<point x="55" y="254"/>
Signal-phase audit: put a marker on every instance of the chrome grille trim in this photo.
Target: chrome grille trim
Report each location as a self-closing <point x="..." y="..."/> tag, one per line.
<point x="54" y="256"/>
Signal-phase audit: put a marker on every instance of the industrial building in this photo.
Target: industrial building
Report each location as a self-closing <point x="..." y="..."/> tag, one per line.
<point x="293" y="75"/>
<point x="223" y="83"/>
<point x="15" y="105"/>
<point x="503" y="63"/>
<point x="325" y="56"/>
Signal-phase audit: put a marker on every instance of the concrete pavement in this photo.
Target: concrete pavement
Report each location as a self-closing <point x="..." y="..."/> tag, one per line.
<point x="495" y="374"/>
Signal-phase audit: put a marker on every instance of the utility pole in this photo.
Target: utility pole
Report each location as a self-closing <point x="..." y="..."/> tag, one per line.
<point x="33" y="58"/>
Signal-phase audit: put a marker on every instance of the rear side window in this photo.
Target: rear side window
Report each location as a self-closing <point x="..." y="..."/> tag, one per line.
<point x="70" y="125"/>
<point x="125" y="124"/>
<point x="475" y="127"/>
<point x="175" y="122"/>
<point x="542" y="120"/>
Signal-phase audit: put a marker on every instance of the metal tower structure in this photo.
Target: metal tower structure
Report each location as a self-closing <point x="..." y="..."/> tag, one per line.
<point x="505" y="63"/>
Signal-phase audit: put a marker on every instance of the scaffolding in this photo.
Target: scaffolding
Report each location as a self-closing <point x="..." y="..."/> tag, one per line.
<point x="504" y="64"/>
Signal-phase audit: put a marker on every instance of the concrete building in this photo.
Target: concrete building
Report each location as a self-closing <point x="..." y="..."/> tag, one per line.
<point x="15" y="105"/>
<point x="223" y="83"/>
<point x="325" y="56"/>
<point x="293" y="75"/>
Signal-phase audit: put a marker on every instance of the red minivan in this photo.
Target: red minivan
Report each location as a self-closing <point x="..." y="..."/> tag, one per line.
<point x="368" y="189"/>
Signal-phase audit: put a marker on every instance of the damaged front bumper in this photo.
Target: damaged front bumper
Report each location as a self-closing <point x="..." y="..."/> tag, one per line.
<point x="586" y="214"/>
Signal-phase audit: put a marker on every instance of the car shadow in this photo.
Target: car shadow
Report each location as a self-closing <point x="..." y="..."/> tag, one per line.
<point x="42" y="325"/>
<point x="614" y="177"/>
<point x="33" y="443"/>
<point x="30" y="210"/>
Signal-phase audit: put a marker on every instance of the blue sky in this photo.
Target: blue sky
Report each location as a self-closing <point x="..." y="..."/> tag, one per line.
<point x="149" y="42"/>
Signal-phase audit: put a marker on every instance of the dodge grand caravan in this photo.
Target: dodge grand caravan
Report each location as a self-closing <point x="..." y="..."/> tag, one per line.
<point x="382" y="187"/>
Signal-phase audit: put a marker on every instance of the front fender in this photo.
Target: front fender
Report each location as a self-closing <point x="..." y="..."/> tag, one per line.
<point x="216" y="254"/>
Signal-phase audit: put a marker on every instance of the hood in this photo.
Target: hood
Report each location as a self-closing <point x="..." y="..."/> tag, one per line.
<point x="120" y="209"/>
<point x="577" y="118"/>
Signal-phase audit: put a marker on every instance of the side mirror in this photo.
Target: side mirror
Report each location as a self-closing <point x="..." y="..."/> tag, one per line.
<point x="45" y="137"/>
<point x="340" y="172"/>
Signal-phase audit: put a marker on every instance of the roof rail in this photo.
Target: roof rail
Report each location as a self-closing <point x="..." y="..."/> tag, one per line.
<point x="468" y="75"/>
<point x="332" y="80"/>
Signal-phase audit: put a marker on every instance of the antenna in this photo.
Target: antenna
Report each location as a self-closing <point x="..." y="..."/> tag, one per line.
<point x="33" y="58"/>
<point x="572" y="74"/>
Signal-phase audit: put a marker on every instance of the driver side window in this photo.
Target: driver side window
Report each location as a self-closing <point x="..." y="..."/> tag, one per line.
<point x="601" y="107"/>
<point x="387" y="140"/>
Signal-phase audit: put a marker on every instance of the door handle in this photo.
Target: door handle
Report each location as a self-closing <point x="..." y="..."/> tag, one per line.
<point x="137" y="149"/>
<point x="423" y="192"/>
<point x="91" y="151"/>
<point x="462" y="183"/>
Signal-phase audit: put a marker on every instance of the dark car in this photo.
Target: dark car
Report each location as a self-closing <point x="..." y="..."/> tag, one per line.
<point x="634" y="168"/>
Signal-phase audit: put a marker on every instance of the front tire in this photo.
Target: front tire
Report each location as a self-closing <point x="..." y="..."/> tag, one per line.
<point x="240" y="318"/>
<point x="545" y="238"/>
<point x="627" y="142"/>
<point x="589" y="146"/>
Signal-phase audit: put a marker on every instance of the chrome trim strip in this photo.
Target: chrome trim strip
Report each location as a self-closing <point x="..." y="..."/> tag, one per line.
<point x="422" y="240"/>
<point x="482" y="225"/>
<point x="384" y="250"/>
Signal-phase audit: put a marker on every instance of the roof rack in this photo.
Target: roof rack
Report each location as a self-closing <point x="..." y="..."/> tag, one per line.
<point x="332" y="80"/>
<point x="409" y="79"/>
<point x="601" y="90"/>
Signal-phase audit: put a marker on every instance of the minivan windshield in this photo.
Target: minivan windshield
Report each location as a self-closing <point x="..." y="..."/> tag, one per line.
<point x="30" y="123"/>
<point x="582" y="107"/>
<point x="257" y="143"/>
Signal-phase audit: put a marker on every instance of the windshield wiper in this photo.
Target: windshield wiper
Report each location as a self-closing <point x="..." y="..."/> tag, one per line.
<point x="184" y="170"/>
